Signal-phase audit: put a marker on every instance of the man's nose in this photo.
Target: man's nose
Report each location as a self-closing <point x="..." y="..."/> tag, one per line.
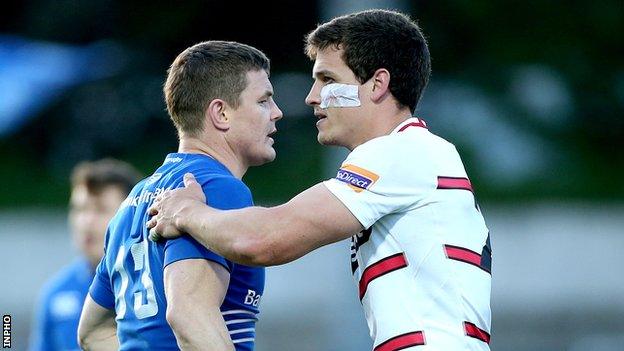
<point x="277" y="113"/>
<point x="314" y="96"/>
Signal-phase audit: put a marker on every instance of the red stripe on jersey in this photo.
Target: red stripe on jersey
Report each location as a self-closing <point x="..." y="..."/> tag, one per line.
<point x="454" y="183"/>
<point x="464" y="255"/>
<point x="476" y="332"/>
<point x="419" y="123"/>
<point x="379" y="268"/>
<point x="402" y="342"/>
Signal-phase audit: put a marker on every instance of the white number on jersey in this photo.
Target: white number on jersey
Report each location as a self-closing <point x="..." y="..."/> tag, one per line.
<point x="140" y="256"/>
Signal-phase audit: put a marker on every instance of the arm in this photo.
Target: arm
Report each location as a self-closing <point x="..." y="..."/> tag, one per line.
<point x="195" y="289"/>
<point x="257" y="235"/>
<point x="97" y="329"/>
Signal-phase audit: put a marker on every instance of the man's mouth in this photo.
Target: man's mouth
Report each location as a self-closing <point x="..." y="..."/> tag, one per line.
<point x="320" y="115"/>
<point x="269" y="136"/>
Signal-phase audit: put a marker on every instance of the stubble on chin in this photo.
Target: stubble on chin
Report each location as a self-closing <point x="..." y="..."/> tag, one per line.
<point x="325" y="140"/>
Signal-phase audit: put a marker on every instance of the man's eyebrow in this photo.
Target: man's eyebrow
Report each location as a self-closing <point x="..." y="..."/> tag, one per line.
<point x="322" y="73"/>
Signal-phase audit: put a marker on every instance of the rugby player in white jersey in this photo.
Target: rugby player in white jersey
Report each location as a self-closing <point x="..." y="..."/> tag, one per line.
<point x="421" y="257"/>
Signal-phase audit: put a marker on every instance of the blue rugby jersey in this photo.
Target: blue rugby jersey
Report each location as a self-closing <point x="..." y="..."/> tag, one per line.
<point x="130" y="276"/>
<point x="59" y="307"/>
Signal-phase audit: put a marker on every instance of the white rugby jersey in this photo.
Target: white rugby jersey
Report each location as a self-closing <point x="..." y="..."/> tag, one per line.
<point x="423" y="265"/>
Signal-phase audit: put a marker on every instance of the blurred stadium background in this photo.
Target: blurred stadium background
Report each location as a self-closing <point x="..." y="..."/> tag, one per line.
<point x="531" y="92"/>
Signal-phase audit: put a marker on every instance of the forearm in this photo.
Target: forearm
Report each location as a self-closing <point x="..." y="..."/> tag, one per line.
<point x="103" y="338"/>
<point x="259" y="236"/>
<point x="194" y="331"/>
<point x="97" y="329"/>
<point x="244" y="236"/>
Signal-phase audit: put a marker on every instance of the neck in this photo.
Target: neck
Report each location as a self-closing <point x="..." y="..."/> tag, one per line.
<point x="382" y="122"/>
<point x="221" y="153"/>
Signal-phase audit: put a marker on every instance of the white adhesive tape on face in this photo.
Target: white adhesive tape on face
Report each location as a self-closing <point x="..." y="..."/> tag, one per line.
<point x="340" y="95"/>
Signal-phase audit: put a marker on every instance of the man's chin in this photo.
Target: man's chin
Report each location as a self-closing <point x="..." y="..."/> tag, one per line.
<point x="268" y="157"/>
<point x="271" y="158"/>
<point x="321" y="139"/>
<point x="325" y="140"/>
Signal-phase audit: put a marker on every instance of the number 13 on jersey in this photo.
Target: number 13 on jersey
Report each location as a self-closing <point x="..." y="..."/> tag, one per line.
<point x="144" y="297"/>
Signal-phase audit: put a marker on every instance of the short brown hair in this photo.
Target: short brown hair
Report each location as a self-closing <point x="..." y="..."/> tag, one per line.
<point x="376" y="39"/>
<point x="98" y="175"/>
<point x="204" y="72"/>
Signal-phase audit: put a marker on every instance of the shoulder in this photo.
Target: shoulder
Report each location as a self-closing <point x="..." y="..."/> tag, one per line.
<point x="407" y="159"/>
<point x="222" y="190"/>
<point x="392" y="153"/>
<point x="209" y="172"/>
<point x="65" y="275"/>
<point x="388" y="149"/>
<point x="225" y="191"/>
<point x="62" y="297"/>
<point x="64" y="279"/>
<point x="134" y="193"/>
<point x="221" y="180"/>
<point x="407" y="147"/>
<point x="408" y="142"/>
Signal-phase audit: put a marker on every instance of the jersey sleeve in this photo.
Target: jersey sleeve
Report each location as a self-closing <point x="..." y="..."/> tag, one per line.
<point x="224" y="193"/>
<point x="381" y="177"/>
<point x="101" y="290"/>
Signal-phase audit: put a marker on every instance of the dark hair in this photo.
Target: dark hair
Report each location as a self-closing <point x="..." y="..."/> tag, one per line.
<point x="379" y="39"/>
<point x="98" y="175"/>
<point x="204" y="72"/>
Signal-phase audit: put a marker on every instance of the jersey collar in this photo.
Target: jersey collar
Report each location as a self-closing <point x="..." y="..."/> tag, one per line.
<point x="410" y="123"/>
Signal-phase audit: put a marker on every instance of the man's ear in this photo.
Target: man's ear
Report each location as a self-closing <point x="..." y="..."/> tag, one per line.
<point x="381" y="84"/>
<point x="217" y="114"/>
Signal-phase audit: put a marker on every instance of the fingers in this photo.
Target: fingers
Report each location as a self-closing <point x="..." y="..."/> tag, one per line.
<point x="153" y="235"/>
<point x="160" y="226"/>
<point x="161" y="230"/>
<point x="153" y="210"/>
<point x="189" y="180"/>
<point x="151" y="223"/>
<point x="195" y="191"/>
<point x="153" y="231"/>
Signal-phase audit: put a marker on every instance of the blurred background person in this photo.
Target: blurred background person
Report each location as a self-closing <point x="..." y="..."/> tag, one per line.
<point x="97" y="190"/>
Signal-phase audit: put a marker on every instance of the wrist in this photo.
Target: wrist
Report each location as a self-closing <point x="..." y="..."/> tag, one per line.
<point x="181" y="218"/>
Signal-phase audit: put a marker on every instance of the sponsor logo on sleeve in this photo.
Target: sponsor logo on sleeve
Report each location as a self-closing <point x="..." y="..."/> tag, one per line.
<point x="252" y="298"/>
<point x="356" y="177"/>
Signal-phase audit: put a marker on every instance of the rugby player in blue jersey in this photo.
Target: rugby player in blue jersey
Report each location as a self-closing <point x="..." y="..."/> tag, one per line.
<point x="97" y="190"/>
<point x="178" y="294"/>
